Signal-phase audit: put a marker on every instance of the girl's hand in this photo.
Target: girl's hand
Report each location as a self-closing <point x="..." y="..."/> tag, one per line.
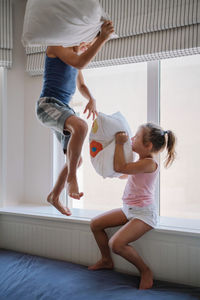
<point x="106" y="30"/>
<point x="91" y="108"/>
<point x="121" y="137"/>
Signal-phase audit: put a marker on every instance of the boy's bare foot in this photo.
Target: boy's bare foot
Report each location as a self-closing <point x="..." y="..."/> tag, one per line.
<point x="146" y="281"/>
<point x="72" y="188"/>
<point x="58" y="205"/>
<point x="102" y="264"/>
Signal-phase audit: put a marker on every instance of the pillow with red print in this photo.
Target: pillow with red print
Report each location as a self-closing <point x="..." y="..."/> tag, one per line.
<point x="102" y="143"/>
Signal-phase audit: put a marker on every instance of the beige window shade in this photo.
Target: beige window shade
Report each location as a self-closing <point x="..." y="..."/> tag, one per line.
<point x="6" y="42"/>
<point x="146" y="29"/>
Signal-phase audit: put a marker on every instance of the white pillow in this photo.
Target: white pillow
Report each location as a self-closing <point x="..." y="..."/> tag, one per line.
<point x="61" y="22"/>
<point x="102" y="143"/>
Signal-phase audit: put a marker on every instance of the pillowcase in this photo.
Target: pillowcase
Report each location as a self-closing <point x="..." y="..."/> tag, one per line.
<point x="102" y="143"/>
<point x="61" y="22"/>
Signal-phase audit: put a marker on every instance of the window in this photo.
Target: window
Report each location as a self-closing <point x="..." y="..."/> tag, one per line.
<point x="118" y="88"/>
<point x="179" y="111"/>
<point x="135" y="90"/>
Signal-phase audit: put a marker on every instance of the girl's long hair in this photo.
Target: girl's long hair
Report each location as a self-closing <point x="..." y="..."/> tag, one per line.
<point x="160" y="140"/>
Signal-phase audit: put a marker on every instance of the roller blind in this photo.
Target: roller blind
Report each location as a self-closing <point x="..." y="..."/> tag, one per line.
<point x="6" y="41"/>
<point x="146" y="29"/>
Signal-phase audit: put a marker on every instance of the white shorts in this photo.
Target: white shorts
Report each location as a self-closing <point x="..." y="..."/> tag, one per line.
<point x="147" y="214"/>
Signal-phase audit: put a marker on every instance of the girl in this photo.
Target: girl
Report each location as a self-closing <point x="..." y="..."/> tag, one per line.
<point x="138" y="214"/>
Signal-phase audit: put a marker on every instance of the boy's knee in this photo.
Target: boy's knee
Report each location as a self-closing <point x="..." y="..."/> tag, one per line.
<point x="76" y="126"/>
<point x="81" y="128"/>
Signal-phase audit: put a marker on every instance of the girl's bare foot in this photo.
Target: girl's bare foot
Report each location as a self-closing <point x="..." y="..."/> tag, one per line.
<point x="102" y="264"/>
<point x="72" y="189"/>
<point x="58" y="205"/>
<point x="146" y="281"/>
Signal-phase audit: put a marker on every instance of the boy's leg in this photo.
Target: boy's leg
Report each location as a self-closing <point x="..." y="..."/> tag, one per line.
<point x="78" y="129"/>
<point x="53" y="197"/>
<point x="109" y="219"/>
<point x="57" y="116"/>
<point x="119" y="243"/>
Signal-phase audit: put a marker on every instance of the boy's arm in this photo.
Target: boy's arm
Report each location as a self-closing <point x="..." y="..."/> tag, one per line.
<point x="91" y="105"/>
<point x="120" y="164"/>
<point x="68" y="56"/>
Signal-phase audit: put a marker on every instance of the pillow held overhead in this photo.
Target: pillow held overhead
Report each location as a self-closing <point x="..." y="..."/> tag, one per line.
<point x="61" y="22"/>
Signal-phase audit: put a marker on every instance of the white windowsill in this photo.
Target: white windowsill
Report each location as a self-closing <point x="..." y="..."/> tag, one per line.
<point x="44" y="212"/>
<point x="167" y="225"/>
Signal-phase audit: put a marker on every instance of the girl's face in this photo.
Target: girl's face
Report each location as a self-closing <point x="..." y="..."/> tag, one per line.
<point x="137" y="141"/>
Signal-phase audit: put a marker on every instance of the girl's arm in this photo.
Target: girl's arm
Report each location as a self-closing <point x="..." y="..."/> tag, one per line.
<point x="68" y="56"/>
<point x="91" y="105"/>
<point x="120" y="165"/>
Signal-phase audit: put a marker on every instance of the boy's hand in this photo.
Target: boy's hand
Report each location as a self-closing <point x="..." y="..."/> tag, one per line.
<point x="121" y="137"/>
<point x="91" y="108"/>
<point x="106" y="30"/>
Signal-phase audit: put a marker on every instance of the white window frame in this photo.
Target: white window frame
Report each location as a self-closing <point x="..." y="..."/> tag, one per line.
<point x="153" y="107"/>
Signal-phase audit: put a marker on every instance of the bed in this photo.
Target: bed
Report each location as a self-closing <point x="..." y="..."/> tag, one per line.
<point x="29" y="277"/>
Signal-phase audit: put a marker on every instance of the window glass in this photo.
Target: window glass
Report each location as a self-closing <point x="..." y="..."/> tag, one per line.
<point x="118" y="88"/>
<point x="179" y="111"/>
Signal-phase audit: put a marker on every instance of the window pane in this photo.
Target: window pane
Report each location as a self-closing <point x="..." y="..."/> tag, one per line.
<point x="118" y="88"/>
<point x="180" y="107"/>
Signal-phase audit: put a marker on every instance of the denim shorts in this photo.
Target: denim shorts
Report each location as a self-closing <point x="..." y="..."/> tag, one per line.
<point x="147" y="214"/>
<point x="53" y="113"/>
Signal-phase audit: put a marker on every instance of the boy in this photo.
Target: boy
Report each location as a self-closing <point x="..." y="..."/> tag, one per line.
<point x="62" y="74"/>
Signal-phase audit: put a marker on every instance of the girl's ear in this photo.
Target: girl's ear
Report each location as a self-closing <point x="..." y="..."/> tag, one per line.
<point x="149" y="146"/>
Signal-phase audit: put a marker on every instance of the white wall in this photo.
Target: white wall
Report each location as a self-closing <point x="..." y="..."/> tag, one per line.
<point x="15" y="114"/>
<point x="28" y="143"/>
<point x="37" y="147"/>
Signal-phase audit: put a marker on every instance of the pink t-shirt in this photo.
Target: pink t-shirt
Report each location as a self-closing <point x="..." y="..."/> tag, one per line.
<point x="139" y="190"/>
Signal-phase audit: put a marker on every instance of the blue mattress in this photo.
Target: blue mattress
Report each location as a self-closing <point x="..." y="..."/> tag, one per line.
<point x="28" y="277"/>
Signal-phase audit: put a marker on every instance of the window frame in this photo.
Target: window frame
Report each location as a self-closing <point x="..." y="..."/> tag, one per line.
<point x="153" y="115"/>
<point x="153" y="109"/>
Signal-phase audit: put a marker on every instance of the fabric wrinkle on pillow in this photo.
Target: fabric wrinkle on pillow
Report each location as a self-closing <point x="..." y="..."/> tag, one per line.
<point x="62" y="22"/>
<point x="102" y="143"/>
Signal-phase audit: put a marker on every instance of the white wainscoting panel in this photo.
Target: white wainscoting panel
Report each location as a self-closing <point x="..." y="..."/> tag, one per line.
<point x="172" y="256"/>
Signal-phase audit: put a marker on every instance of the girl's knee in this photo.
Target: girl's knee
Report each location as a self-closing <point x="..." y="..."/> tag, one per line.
<point x="115" y="246"/>
<point x="96" y="225"/>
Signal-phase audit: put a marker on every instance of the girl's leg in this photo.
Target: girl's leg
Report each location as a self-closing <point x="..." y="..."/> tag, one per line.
<point x="130" y="232"/>
<point x="109" y="219"/>
<point x="53" y="197"/>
